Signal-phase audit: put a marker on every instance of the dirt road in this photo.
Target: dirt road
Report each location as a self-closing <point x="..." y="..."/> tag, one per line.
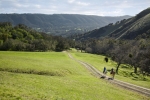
<point x="125" y="85"/>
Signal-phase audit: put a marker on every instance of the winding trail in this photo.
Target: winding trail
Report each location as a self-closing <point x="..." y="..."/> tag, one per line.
<point x="125" y="85"/>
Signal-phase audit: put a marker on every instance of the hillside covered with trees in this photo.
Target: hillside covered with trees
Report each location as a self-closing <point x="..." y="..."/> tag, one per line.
<point x="127" y="42"/>
<point x="125" y="29"/>
<point x="23" y="38"/>
<point x="60" y="24"/>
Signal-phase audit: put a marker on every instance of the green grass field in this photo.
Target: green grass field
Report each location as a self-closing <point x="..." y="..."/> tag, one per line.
<point x="124" y="73"/>
<point x="53" y="76"/>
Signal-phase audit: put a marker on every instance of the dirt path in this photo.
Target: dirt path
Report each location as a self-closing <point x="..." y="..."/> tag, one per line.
<point x="125" y="85"/>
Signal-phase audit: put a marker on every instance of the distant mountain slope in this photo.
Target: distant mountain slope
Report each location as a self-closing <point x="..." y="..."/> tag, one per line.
<point x="136" y="26"/>
<point x="125" y="29"/>
<point x="59" y="24"/>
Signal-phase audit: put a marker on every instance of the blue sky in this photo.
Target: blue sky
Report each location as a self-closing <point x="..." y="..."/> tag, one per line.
<point x="86" y="7"/>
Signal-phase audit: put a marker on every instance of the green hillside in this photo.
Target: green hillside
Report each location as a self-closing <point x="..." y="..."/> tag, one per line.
<point x="60" y="24"/>
<point x="136" y="26"/>
<point x="125" y="29"/>
<point x="23" y="38"/>
<point x="26" y="76"/>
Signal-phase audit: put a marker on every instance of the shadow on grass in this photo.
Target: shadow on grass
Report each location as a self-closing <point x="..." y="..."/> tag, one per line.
<point x="31" y="71"/>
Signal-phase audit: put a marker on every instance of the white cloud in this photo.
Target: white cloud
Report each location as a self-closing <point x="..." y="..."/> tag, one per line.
<point x="53" y="7"/>
<point x="82" y="3"/>
<point x="71" y="1"/>
<point x="117" y="4"/>
<point x="88" y="7"/>
<point x="78" y="2"/>
<point x="116" y="12"/>
<point x="37" y="6"/>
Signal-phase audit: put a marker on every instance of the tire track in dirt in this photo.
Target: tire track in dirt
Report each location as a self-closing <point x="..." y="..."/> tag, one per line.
<point x="125" y="85"/>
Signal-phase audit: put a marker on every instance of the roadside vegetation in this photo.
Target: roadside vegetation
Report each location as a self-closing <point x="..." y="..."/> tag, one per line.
<point x="69" y="81"/>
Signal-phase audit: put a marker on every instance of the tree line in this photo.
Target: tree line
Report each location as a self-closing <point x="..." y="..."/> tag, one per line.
<point x="23" y="38"/>
<point x="135" y="53"/>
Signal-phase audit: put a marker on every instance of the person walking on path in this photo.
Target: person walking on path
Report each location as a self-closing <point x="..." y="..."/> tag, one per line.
<point x="112" y="72"/>
<point x="104" y="70"/>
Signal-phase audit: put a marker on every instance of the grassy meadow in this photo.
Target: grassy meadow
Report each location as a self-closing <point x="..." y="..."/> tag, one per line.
<point x="124" y="71"/>
<point x="54" y="76"/>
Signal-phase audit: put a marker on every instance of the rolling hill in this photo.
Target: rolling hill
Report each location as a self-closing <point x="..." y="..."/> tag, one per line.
<point x="60" y="24"/>
<point x="124" y="29"/>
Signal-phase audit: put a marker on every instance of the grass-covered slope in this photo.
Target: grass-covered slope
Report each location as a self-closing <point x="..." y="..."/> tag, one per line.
<point x="134" y="27"/>
<point x="103" y="31"/>
<point x="126" y="29"/>
<point x="124" y="72"/>
<point x="69" y="81"/>
<point x="40" y="63"/>
<point x="137" y="28"/>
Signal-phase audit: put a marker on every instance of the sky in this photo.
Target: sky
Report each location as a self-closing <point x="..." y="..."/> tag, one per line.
<point x="85" y="7"/>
